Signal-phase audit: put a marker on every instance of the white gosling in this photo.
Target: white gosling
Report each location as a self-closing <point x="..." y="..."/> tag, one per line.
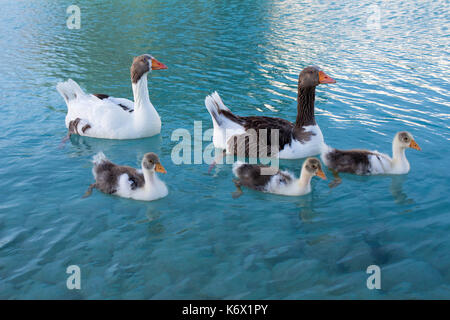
<point x="102" y="116"/>
<point x="367" y="162"/>
<point x="128" y="182"/>
<point x="273" y="180"/>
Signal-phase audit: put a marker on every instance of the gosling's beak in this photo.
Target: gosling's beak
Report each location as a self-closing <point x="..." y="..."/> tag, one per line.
<point x="321" y="174"/>
<point x="324" y="78"/>
<point x="156" y="65"/>
<point x="414" y="145"/>
<point x="160" y="168"/>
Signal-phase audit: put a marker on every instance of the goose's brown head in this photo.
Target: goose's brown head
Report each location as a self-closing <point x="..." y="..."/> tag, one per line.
<point x="312" y="76"/>
<point x="143" y="64"/>
<point x="151" y="162"/>
<point x="313" y="166"/>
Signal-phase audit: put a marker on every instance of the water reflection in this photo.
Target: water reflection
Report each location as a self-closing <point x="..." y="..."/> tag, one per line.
<point x="397" y="192"/>
<point x="307" y="212"/>
<point x="395" y="188"/>
<point x="86" y="146"/>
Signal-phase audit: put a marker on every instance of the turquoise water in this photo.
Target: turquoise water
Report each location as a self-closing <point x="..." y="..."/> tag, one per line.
<point x="199" y="242"/>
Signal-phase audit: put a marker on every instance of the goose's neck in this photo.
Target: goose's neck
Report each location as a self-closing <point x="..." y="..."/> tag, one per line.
<point x="304" y="181"/>
<point x="140" y="93"/>
<point x="145" y="117"/>
<point x="399" y="161"/>
<point x="305" y="107"/>
<point x="149" y="177"/>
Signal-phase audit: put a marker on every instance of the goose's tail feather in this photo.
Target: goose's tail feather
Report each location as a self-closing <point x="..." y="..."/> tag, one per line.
<point x="236" y="167"/>
<point x="214" y="104"/>
<point x="325" y="149"/>
<point x="99" y="158"/>
<point x="69" y="90"/>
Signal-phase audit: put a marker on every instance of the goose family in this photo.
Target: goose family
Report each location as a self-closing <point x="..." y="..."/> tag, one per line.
<point x="128" y="182"/>
<point x="103" y="116"/>
<point x="367" y="162"/>
<point x="295" y="140"/>
<point x="276" y="181"/>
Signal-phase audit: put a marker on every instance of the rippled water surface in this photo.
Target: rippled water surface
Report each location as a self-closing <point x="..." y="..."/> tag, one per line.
<point x="199" y="242"/>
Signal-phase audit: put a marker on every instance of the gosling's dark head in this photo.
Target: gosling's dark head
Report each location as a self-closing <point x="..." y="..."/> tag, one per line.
<point x="314" y="168"/>
<point x="406" y="140"/>
<point x="143" y="64"/>
<point x="312" y="76"/>
<point x="151" y="162"/>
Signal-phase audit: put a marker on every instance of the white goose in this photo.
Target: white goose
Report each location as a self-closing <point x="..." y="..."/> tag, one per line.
<point x="301" y="139"/>
<point x="102" y="116"/>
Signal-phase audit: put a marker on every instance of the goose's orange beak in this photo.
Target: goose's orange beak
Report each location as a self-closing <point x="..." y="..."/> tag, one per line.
<point x="156" y="65"/>
<point x="414" y="145"/>
<point x="321" y="174"/>
<point x="324" y="78"/>
<point x="160" y="168"/>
